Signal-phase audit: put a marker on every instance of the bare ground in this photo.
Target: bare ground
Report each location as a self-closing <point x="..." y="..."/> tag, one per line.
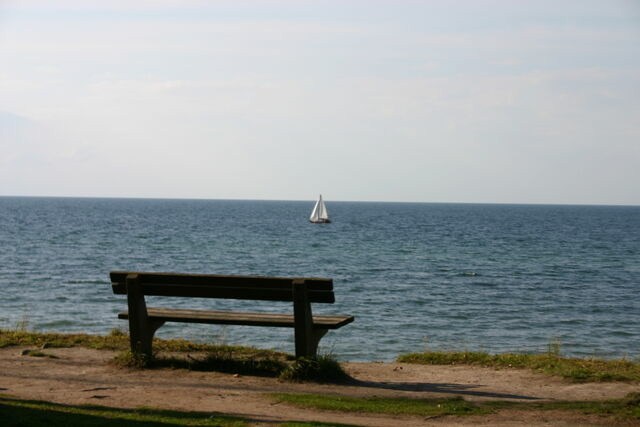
<point x="85" y="376"/>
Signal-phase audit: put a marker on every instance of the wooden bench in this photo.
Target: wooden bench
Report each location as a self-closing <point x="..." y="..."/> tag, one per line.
<point x="144" y="321"/>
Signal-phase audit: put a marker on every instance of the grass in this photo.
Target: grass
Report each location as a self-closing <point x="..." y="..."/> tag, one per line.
<point x="36" y="353"/>
<point x="21" y="412"/>
<point x="627" y="408"/>
<point x="177" y="354"/>
<point x="252" y="361"/>
<point x="258" y="363"/>
<point x="378" y="405"/>
<point x="118" y="340"/>
<point x="314" y="424"/>
<point x="114" y="341"/>
<point x="574" y="369"/>
<point x="224" y="359"/>
<point x="246" y="360"/>
<point x="323" y="368"/>
<point x="15" y="411"/>
<point x="34" y="413"/>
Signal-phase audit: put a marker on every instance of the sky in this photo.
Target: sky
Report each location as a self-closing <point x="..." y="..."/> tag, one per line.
<point x="472" y="101"/>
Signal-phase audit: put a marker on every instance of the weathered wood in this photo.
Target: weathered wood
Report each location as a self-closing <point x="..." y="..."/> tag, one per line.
<point x="143" y="321"/>
<point x="212" y="280"/>
<point x="302" y="319"/>
<point x="141" y="326"/>
<point x="138" y="321"/>
<point x="227" y="292"/>
<point x="223" y="317"/>
<point x="316" y="336"/>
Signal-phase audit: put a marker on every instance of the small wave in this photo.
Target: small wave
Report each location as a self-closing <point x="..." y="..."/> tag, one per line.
<point x="486" y="284"/>
<point x="570" y="322"/>
<point x="383" y="269"/>
<point x="622" y="333"/>
<point x="86" y="282"/>
<point x="56" y="324"/>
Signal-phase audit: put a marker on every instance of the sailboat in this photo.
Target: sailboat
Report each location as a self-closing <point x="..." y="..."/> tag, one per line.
<point x="319" y="214"/>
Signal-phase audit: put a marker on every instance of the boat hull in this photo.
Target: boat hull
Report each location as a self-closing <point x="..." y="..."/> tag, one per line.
<point x="320" y="221"/>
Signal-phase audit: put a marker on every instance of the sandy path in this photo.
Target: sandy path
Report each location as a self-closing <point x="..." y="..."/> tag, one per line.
<point x="84" y="376"/>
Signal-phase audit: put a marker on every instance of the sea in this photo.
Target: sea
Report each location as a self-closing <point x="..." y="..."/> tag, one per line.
<point x="416" y="276"/>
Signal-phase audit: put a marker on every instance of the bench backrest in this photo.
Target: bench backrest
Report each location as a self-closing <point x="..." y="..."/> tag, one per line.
<point x="231" y="287"/>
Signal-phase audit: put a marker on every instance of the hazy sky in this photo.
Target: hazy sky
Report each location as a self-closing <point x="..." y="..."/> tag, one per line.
<point x="429" y="101"/>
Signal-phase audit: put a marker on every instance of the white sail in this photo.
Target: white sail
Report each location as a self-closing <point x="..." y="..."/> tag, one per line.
<point x="319" y="214"/>
<point x="314" y="213"/>
<point x="323" y="212"/>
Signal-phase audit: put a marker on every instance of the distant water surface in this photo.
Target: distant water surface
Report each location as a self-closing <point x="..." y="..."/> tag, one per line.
<point x="417" y="277"/>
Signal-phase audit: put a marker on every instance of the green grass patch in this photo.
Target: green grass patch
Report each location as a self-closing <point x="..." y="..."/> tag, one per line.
<point x="127" y="359"/>
<point x="378" y="405"/>
<point x="224" y="359"/>
<point x="575" y="369"/>
<point x="36" y="353"/>
<point x="242" y="361"/>
<point x="315" y="424"/>
<point x="322" y="368"/>
<point x="229" y="359"/>
<point x="627" y="408"/>
<point x="183" y="354"/>
<point x="20" y="412"/>
<point x="118" y="340"/>
<point x="114" y="341"/>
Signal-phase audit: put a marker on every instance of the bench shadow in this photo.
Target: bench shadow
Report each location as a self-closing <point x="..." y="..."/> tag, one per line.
<point x="443" y="388"/>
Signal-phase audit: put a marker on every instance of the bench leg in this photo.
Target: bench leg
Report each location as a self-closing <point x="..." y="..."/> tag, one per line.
<point x="306" y="336"/>
<point x="141" y="335"/>
<point x="315" y="338"/>
<point x="303" y="320"/>
<point x="141" y="328"/>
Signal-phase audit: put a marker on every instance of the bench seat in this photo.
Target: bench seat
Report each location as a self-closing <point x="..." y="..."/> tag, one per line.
<point x="220" y="317"/>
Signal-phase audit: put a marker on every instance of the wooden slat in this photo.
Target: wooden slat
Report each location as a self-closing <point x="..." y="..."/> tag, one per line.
<point x="239" y="318"/>
<point x="313" y="283"/>
<point x="260" y="294"/>
<point x="230" y="287"/>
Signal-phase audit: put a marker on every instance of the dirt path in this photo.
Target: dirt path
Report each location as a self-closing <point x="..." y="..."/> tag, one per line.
<point x="84" y="376"/>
